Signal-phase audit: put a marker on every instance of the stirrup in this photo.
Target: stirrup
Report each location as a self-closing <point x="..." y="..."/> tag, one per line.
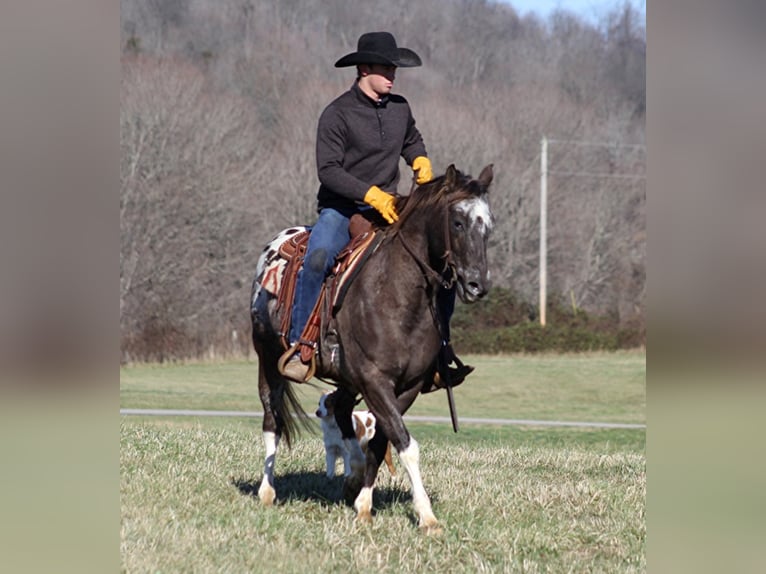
<point x="455" y="377"/>
<point x="445" y="376"/>
<point x="450" y="376"/>
<point x="289" y="354"/>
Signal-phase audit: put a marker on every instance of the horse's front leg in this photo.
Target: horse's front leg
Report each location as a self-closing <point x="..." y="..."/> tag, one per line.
<point x="390" y="421"/>
<point x="409" y="455"/>
<point x="376" y="453"/>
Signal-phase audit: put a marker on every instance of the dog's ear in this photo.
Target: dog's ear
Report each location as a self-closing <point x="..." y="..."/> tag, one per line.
<point x="369" y="425"/>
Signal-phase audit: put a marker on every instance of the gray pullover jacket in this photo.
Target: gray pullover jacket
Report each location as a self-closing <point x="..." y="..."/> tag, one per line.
<point x="359" y="142"/>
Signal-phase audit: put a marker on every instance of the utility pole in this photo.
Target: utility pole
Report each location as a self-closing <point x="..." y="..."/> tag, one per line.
<point x="543" y="228"/>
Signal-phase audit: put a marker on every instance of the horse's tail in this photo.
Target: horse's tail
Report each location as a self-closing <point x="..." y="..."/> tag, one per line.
<point x="289" y="411"/>
<point x="277" y="393"/>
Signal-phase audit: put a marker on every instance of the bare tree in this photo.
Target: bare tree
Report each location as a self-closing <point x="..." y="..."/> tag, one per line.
<point x="189" y="203"/>
<point x="219" y="105"/>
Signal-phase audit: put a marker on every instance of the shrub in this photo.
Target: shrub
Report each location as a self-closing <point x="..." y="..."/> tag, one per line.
<point x="503" y="323"/>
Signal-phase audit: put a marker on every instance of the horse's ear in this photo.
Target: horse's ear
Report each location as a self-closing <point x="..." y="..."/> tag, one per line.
<point x="486" y="175"/>
<point x="451" y="176"/>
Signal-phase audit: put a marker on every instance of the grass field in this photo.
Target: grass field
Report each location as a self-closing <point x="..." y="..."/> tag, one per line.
<point x="511" y="499"/>
<point x="603" y="387"/>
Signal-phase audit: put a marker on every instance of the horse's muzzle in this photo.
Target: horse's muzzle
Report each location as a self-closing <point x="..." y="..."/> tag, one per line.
<point x="472" y="289"/>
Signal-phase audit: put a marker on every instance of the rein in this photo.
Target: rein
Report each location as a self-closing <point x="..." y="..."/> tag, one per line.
<point x="426" y="269"/>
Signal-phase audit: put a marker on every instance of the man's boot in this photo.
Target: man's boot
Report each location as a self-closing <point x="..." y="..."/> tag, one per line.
<point x="291" y="366"/>
<point x="443" y="375"/>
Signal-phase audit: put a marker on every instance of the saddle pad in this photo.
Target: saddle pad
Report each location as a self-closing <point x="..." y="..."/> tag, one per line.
<point x="272" y="265"/>
<point x="346" y="270"/>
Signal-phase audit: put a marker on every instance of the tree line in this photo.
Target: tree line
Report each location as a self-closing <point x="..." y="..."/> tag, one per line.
<point x="219" y="102"/>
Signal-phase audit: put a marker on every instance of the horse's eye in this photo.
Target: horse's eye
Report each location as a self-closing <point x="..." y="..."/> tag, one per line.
<point x="458" y="225"/>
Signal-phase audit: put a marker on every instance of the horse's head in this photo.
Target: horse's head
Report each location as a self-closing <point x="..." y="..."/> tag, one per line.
<point x="453" y="212"/>
<point x="469" y="223"/>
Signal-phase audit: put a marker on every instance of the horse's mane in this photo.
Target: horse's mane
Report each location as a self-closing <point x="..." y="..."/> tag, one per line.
<point x="431" y="196"/>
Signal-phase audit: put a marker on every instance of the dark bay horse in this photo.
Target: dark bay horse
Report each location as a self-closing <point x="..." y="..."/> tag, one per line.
<point x="384" y="340"/>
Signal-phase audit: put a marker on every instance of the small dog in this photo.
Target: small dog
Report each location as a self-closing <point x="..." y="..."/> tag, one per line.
<point x="364" y="427"/>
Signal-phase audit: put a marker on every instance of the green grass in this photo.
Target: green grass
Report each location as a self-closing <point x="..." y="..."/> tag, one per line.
<point x="510" y="499"/>
<point x="600" y="387"/>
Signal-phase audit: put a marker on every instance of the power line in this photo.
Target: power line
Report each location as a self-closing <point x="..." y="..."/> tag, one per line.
<point x="524" y="174"/>
<point x="596" y="174"/>
<point x="597" y="144"/>
<point x="544" y="171"/>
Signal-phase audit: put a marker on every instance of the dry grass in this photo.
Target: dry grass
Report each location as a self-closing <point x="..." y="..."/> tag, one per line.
<point x="189" y="503"/>
<point x="511" y="499"/>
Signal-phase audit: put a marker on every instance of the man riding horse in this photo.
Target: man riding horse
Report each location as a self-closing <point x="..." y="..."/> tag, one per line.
<point x="360" y="136"/>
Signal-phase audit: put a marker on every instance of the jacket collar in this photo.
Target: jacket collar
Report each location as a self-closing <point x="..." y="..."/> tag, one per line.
<point x="364" y="98"/>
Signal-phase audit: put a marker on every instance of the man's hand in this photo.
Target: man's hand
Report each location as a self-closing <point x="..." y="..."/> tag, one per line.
<point x="422" y="165"/>
<point x="383" y="202"/>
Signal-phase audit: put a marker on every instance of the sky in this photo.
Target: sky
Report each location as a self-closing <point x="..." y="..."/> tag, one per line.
<point x="590" y="10"/>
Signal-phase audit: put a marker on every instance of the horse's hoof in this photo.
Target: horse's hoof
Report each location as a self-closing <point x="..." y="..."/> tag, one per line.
<point x="267" y="494"/>
<point x="364" y="518"/>
<point x="430" y="526"/>
<point x="432" y="529"/>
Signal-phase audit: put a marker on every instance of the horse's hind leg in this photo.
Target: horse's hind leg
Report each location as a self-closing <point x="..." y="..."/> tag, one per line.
<point x="271" y="436"/>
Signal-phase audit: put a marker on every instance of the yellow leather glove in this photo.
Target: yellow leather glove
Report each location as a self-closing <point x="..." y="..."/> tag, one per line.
<point x="383" y="202"/>
<point x="422" y="165"/>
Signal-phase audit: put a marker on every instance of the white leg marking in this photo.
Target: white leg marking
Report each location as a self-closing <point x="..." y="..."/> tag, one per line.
<point x="266" y="491"/>
<point x="363" y="504"/>
<point x="410" y="458"/>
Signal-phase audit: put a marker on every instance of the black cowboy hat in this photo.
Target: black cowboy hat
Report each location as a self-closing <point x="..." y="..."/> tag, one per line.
<point x="380" y="48"/>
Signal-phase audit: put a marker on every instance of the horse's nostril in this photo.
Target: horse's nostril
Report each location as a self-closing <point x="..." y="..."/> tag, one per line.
<point x="477" y="289"/>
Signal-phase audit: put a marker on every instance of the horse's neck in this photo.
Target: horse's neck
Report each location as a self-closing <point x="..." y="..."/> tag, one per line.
<point x="424" y="233"/>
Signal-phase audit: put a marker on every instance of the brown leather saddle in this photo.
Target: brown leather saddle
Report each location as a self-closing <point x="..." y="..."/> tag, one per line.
<point x="364" y="241"/>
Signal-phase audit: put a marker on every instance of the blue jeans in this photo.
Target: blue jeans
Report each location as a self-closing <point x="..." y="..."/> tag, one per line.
<point x="328" y="236"/>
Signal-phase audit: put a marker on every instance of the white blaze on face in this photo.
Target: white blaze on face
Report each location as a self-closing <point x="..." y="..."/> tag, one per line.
<point x="477" y="211"/>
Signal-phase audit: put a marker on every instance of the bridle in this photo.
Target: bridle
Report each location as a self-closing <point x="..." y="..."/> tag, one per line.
<point x="446" y="280"/>
<point x="447" y="277"/>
